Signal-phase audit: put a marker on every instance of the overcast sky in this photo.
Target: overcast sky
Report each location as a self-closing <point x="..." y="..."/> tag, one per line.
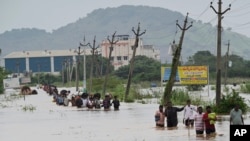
<point x="53" y="14"/>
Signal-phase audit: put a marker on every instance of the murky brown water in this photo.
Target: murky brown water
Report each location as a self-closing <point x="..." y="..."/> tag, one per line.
<point x="49" y="122"/>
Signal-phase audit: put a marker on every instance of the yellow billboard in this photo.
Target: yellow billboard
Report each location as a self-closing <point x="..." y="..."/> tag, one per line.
<point x="187" y="75"/>
<point x="193" y="74"/>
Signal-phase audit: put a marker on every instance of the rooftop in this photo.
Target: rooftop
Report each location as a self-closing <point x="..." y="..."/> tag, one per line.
<point x="44" y="53"/>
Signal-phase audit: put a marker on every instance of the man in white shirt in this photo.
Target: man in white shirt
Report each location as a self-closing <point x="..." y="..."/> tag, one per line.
<point x="189" y="112"/>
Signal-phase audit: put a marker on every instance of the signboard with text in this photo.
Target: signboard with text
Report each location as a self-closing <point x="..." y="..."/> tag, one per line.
<point x="187" y="75"/>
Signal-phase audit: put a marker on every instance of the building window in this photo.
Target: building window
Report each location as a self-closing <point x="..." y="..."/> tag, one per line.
<point x="119" y="58"/>
<point x="125" y="57"/>
<point x="112" y="59"/>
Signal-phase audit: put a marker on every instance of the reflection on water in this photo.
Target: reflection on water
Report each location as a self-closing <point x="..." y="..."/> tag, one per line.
<point x="134" y="122"/>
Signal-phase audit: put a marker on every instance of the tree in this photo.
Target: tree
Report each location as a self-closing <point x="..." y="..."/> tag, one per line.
<point x="145" y="69"/>
<point x="239" y="66"/>
<point x="3" y="74"/>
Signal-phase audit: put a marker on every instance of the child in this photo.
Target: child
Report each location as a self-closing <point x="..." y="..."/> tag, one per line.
<point x="106" y="103"/>
<point x="116" y="103"/>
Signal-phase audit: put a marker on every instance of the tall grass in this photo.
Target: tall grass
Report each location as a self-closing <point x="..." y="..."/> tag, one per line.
<point x="245" y="88"/>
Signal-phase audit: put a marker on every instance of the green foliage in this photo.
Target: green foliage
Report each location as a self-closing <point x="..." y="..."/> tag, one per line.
<point x="239" y="66"/>
<point x="114" y="85"/>
<point x="194" y="87"/>
<point x="179" y="97"/>
<point x="130" y="99"/>
<point x="30" y="108"/>
<point x="229" y="101"/>
<point x="10" y="98"/>
<point x="212" y="87"/>
<point x="226" y="89"/>
<point x="145" y="69"/>
<point x="119" y="91"/>
<point x="3" y="74"/>
<point x="99" y="67"/>
<point x="245" y="88"/>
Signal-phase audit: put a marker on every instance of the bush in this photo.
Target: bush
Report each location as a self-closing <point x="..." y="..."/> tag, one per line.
<point x="245" y="88"/>
<point x="229" y="101"/>
<point x="194" y="87"/>
<point x="130" y="99"/>
<point x="179" y="97"/>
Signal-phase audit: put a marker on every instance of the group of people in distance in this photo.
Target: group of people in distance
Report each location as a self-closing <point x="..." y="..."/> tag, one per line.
<point x="194" y="117"/>
<point x="85" y="100"/>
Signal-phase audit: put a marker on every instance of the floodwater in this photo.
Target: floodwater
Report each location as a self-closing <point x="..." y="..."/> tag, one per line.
<point x="50" y="122"/>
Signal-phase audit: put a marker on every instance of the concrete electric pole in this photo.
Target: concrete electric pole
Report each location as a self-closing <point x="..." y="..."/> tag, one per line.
<point x="218" y="62"/>
<point x="226" y="63"/>
<point x="111" y="42"/>
<point x="137" y="34"/>
<point x="84" y="89"/>
<point x="93" y="50"/>
<point x="175" y="63"/>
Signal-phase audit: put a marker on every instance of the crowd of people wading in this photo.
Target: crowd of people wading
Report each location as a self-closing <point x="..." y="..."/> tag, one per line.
<point x="82" y="100"/>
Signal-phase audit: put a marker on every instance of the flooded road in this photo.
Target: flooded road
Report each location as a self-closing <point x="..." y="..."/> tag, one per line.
<point x="50" y="122"/>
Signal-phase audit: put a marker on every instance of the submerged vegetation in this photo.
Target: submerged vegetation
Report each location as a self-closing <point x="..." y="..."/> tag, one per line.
<point x="7" y="101"/>
<point x="228" y="102"/>
<point x="28" y="108"/>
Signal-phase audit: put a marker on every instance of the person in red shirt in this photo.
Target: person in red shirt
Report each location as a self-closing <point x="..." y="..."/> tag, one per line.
<point x="209" y="118"/>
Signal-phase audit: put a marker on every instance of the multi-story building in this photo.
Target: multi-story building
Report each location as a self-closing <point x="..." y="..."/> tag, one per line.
<point x="123" y="50"/>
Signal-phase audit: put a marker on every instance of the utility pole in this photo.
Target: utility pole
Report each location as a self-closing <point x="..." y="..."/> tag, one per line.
<point x="38" y="74"/>
<point x="84" y="64"/>
<point x="18" y="68"/>
<point x="111" y="42"/>
<point x="68" y="66"/>
<point x="97" y="64"/>
<point x="218" y="62"/>
<point x="131" y="68"/>
<point x="226" y="62"/>
<point x="175" y="62"/>
<point x="93" y="49"/>
<point x="79" y="52"/>
<point x="63" y="71"/>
